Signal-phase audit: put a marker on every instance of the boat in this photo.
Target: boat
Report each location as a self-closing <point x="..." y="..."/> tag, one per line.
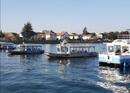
<point x="27" y="49"/>
<point x="7" y="46"/>
<point x="117" y="54"/>
<point x="66" y="50"/>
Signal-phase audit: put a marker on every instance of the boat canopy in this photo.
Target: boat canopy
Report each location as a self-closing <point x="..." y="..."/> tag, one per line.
<point x="30" y="45"/>
<point x="118" y="47"/>
<point x="23" y="47"/>
<point x="68" y="48"/>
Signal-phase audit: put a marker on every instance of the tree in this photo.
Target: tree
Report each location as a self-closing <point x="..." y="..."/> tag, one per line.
<point x="110" y="35"/>
<point x="1" y="34"/>
<point x="124" y="32"/>
<point x="27" y="31"/>
<point x="93" y="35"/>
<point x="85" y="31"/>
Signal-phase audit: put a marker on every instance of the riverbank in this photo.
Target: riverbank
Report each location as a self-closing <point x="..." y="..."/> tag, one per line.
<point x="37" y="74"/>
<point x="58" y="41"/>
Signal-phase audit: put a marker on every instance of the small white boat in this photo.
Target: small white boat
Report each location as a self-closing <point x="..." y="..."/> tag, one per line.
<point x="65" y="50"/>
<point x="27" y="49"/>
<point x="117" y="54"/>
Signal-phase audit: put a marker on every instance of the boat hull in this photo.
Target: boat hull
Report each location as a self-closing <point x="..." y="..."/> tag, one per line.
<point x="54" y="55"/>
<point x="114" y="60"/>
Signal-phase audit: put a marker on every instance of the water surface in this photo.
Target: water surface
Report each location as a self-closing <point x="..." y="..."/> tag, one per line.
<point x="38" y="74"/>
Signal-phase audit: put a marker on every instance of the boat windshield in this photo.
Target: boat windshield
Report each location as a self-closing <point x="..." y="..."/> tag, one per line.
<point x="125" y="49"/>
<point x="117" y="49"/>
<point x="23" y="47"/>
<point x="64" y="49"/>
<point x="110" y="49"/>
<point x="58" y="49"/>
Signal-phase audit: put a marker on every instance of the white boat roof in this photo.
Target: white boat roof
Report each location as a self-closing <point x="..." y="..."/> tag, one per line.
<point x="121" y="42"/>
<point x="6" y="43"/>
<point x="78" y="45"/>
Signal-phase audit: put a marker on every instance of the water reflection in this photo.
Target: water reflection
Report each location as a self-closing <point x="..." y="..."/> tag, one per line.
<point x="27" y="63"/>
<point x="31" y="58"/>
<point x="115" y="79"/>
<point x="62" y="68"/>
<point x="76" y="69"/>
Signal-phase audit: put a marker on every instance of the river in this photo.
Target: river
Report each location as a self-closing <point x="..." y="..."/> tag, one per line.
<point x="38" y="74"/>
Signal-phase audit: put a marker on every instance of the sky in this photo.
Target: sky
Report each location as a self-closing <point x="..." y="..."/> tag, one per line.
<point x="65" y="15"/>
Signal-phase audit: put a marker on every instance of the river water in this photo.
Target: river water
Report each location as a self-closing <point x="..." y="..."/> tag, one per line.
<point x="38" y="74"/>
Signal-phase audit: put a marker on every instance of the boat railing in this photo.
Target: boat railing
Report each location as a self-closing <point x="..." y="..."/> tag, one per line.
<point x="25" y="47"/>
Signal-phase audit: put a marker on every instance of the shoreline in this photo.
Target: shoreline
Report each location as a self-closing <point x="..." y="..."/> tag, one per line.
<point x="55" y="42"/>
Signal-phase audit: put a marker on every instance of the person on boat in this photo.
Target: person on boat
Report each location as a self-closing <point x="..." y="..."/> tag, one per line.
<point x="125" y="50"/>
<point x="118" y="52"/>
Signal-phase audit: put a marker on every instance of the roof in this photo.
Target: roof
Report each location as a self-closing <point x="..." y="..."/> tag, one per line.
<point x="74" y="34"/>
<point x="50" y="33"/>
<point x="40" y="33"/>
<point x="61" y="33"/>
<point x="87" y="35"/>
<point x="118" y="42"/>
<point x="35" y="45"/>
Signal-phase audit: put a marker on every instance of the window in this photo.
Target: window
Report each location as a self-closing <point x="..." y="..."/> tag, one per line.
<point x="58" y="49"/>
<point x="125" y="49"/>
<point x="117" y="49"/>
<point x="110" y="49"/>
<point x="64" y="49"/>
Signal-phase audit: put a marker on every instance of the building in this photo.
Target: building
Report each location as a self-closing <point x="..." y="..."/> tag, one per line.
<point x="62" y="35"/>
<point x="11" y="36"/>
<point x="50" y="35"/>
<point x="71" y="36"/>
<point x="86" y="37"/>
<point x="40" y="36"/>
<point x="74" y="36"/>
<point x="124" y="36"/>
<point x="99" y="35"/>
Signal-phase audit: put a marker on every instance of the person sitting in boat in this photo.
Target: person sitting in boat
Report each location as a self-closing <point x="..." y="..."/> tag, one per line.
<point x="125" y="50"/>
<point x="118" y="52"/>
<point x="85" y="51"/>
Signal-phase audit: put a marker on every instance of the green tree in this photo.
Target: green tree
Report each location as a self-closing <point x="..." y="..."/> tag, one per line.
<point x="1" y="34"/>
<point x="93" y="34"/>
<point x="85" y="31"/>
<point x="27" y="31"/>
<point x="110" y="35"/>
<point x="124" y="32"/>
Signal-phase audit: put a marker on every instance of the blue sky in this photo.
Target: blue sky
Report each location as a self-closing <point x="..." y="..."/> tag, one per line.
<point x="66" y="15"/>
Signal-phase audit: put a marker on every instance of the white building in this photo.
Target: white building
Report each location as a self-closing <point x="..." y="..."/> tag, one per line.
<point x="50" y="35"/>
<point x="86" y="37"/>
<point x="124" y="36"/>
<point x="73" y="36"/>
<point x="62" y="35"/>
<point x="99" y="35"/>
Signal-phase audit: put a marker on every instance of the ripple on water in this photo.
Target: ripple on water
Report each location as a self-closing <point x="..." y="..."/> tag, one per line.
<point x="37" y="74"/>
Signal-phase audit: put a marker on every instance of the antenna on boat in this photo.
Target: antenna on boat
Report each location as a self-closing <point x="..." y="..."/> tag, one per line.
<point x="63" y="41"/>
